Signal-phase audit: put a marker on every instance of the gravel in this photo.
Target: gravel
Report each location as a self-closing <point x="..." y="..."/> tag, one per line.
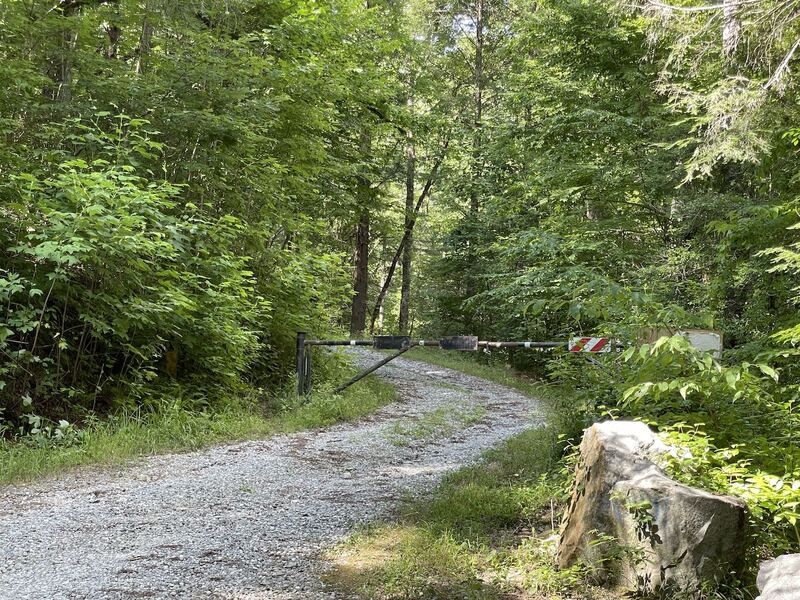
<point x="246" y="520"/>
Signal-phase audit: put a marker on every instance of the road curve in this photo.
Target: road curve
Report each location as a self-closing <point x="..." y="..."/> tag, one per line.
<point x="247" y="520"/>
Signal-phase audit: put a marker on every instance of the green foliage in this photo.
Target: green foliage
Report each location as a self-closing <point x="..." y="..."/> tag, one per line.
<point x="772" y="492"/>
<point x="104" y="274"/>
<point x="484" y="534"/>
<point x="786" y="260"/>
<point x="179" y="184"/>
<point x="636" y="176"/>
<point x="182" y="419"/>
<point x="733" y="427"/>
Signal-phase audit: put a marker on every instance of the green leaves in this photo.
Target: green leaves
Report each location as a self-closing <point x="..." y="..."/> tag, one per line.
<point x="184" y="197"/>
<point x="104" y="261"/>
<point x="732" y="426"/>
<point x="768" y="371"/>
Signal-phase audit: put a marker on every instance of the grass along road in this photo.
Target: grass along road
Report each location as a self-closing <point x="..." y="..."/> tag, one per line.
<point x="247" y="520"/>
<point x="177" y="428"/>
<point x="487" y="532"/>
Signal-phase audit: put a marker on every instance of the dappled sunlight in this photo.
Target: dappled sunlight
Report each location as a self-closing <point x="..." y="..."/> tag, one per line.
<point x="417" y="470"/>
<point x="226" y="220"/>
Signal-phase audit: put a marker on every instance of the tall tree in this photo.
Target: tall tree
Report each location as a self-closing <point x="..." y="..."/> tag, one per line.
<point x="479" y="17"/>
<point x="408" y="249"/>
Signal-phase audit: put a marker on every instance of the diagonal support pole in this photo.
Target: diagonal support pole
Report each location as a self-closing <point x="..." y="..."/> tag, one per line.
<point x="373" y="368"/>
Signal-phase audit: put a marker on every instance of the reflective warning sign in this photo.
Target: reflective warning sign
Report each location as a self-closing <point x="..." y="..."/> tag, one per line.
<point x="589" y="344"/>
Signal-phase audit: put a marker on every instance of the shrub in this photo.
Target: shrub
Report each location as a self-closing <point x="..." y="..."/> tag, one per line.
<point x="737" y="422"/>
<point x="104" y="274"/>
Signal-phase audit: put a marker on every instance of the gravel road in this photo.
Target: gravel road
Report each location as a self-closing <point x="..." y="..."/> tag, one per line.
<point x="248" y="520"/>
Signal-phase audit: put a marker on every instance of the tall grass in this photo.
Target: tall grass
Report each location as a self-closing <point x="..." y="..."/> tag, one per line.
<point x="175" y="428"/>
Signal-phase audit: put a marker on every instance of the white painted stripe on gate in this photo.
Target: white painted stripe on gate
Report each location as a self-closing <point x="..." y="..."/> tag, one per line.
<point x="589" y="344"/>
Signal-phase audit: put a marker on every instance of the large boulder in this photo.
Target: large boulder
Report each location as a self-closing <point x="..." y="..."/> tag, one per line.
<point x="638" y="529"/>
<point x="779" y="578"/>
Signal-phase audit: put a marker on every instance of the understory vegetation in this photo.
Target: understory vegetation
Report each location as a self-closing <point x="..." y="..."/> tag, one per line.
<point x="185" y="424"/>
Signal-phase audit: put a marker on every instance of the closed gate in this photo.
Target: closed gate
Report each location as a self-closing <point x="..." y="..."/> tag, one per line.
<point x="403" y="344"/>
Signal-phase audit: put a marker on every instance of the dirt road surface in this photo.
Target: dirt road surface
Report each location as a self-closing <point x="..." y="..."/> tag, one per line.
<point x="248" y="520"/>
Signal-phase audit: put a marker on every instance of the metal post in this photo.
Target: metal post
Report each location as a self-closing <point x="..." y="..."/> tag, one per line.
<point x="308" y="372"/>
<point x="300" y="362"/>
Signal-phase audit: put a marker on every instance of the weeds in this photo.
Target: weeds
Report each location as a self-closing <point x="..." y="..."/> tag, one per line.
<point x="437" y="424"/>
<point x="174" y="428"/>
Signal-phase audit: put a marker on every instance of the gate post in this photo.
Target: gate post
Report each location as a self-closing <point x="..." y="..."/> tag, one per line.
<point x="307" y="373"/>
<point x="300" y="362"/>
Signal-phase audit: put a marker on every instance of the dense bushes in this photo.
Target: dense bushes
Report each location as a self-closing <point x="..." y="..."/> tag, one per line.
<point x="178" y="184"/>
<point x="104" y="275"/>
<point x="736" y="424"/>
<point x="737" y="421"/>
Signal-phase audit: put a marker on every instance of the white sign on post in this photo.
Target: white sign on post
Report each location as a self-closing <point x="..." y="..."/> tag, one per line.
<point x="704" y="339"/>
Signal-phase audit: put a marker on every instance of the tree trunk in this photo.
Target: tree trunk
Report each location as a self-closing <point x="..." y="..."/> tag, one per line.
<point x="476" y="184"/>
<point x="145" y="42"/>
<point x="731" y="33"/>
<point x="114" y="32"/>
<point x="381" y="312"/>
<point x="477" y="149"/>
<point x="405" y="291"/>
<point x="61" y="69"/>
<point x="358" y="316"/>
<point x="407" y="234"/>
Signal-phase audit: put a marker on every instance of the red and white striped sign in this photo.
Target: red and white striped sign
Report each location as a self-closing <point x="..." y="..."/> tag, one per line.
<point x="589" y="344"/>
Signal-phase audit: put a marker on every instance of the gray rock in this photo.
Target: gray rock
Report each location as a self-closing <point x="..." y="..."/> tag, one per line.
<point x="779" y="578"/>
<point x="637" y="528"/>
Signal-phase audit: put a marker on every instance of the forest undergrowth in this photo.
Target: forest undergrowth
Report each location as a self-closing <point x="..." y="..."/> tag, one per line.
<point x="185" y="424"/>
<point x="490" y="530"/>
